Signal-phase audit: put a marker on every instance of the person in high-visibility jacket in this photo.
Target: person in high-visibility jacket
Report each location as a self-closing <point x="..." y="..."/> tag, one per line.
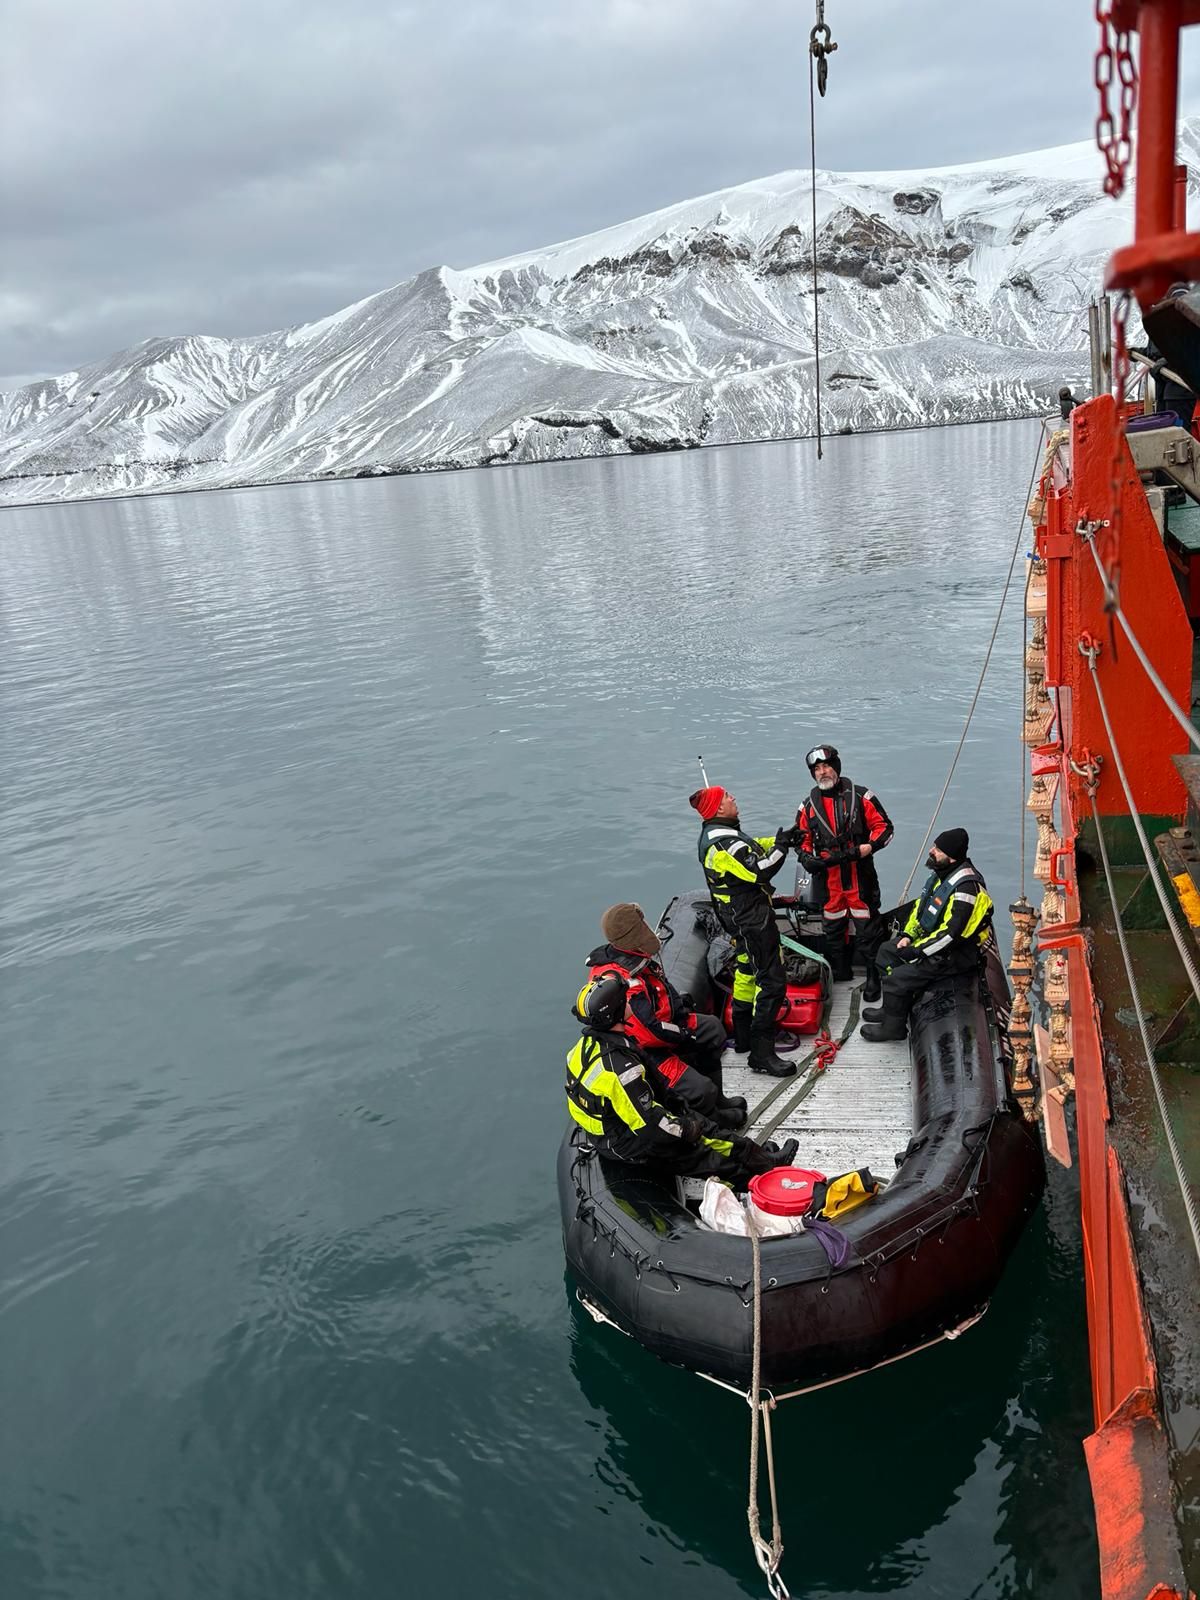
<point x="610" y="1098"/>
<point x="738" y="870"/>
<point x="947" y="931"/>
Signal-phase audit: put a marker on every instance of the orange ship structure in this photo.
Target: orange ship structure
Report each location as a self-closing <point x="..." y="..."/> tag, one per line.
<point x="1107" y="980"/>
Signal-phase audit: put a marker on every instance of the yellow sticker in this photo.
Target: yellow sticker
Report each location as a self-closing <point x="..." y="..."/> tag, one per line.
<point x="1189" y="899"/>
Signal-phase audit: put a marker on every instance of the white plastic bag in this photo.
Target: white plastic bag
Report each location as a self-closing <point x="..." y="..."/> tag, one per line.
<point x="720" y="1208"/>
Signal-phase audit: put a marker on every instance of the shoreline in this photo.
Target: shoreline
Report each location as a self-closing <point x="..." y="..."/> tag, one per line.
<point x="480" y="466"/>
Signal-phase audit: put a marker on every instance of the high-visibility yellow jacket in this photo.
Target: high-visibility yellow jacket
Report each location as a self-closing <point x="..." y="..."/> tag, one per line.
<point x="953" y="909"/>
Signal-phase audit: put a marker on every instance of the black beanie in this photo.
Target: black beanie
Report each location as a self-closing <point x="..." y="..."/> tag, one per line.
<point x="953" y="843"/>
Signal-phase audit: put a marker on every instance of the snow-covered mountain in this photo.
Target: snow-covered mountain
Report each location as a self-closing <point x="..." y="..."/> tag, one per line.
<point x="945" y="295"/>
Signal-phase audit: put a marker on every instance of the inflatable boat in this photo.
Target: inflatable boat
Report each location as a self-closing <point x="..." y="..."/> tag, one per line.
<point x="932" y="1117"/>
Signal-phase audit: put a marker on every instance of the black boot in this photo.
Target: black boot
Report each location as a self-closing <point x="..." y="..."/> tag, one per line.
<point x="777" y="1155"/>
<point x="729" y="1116"/>
<point x="873" y="988"/>
<point x="841" y="963"/>
<point x="891" y="1025"/>
<point x="733" y="1102"/>
<point x="872" y="1014"/>
<point x="763" y="1057"/>
<point x="743" y="1019"/>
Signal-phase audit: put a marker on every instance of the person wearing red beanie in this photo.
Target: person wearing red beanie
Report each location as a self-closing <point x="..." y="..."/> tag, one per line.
<point x="708" y="801"/>
<point x="738" y="870"/>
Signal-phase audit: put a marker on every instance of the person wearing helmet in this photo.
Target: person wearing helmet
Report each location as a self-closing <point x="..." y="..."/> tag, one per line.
<point x="738" y="870"/>
<point x="948" y="931"/>
<point x="681" y="1047"/>
<point x="839" y="830"/>
<point x="611" y="1100"/>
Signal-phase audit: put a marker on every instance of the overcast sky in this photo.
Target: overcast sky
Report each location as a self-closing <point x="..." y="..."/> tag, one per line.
<point x="243" y="165"/>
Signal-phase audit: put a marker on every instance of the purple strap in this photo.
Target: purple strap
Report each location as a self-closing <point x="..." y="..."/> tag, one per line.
<point x="832" y="1240"/>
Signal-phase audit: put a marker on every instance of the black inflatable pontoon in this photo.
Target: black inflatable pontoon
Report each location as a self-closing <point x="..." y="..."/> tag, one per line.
<point x="926" y="1253"/>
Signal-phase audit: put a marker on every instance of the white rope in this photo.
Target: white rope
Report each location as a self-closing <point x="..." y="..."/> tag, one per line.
<point x="767" y="1555"/>
<point x="1176" y="1160"/>
<point x="1111" y="604"/>
<point x="1185" y="955"/>
<point x="983" y="673"/>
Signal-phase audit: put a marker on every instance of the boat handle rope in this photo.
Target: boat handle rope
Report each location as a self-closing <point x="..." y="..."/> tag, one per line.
<point x="767" y="1555"/>
<point x="1090" y="650"/>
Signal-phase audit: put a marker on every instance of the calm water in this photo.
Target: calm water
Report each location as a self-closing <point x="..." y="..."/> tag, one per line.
<point x="312" y="798"/>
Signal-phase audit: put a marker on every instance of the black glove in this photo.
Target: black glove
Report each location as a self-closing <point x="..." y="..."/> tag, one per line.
<point x="785" y="838"/>
<point x="693" y="1129"/>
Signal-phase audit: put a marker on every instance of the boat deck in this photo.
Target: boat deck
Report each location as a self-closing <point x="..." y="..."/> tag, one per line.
<point x="856" y="1114"/>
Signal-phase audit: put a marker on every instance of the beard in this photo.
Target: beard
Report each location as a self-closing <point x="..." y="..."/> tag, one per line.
<point x="932" y="862"/>
<point x="827" y="785"/>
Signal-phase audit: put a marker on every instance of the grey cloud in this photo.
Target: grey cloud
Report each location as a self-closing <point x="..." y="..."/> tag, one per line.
<point x="253" y="163"/>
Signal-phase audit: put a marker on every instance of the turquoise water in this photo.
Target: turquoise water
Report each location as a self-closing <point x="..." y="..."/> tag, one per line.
<point x="312" y="798"/>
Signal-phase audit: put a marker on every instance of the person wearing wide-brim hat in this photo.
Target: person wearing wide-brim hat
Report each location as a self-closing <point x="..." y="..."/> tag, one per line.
<point x="681" y="1047"/>
<point x="946" y="932"/>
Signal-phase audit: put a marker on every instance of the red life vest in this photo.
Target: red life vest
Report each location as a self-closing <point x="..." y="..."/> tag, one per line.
<point x="843" y="895"/>
<point x="643" y="981"/>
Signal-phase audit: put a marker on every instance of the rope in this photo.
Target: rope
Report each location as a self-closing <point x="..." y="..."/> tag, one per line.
<point x="1112" y="605"/>
<point x="983" y="673"/>
<point x="1176" y="932"/>
<point x="1176" y="1160"/>
<point x="1021" y="747"/>
<point x="812" y="146"/>
<point x="767" y="1555"/>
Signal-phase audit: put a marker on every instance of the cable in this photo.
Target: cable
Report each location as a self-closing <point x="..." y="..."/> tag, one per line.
<point x="1113" y="605"/>
<point x="1176" y="1160"/>
<point x="812" y="146"/>
<point x="1176" y="932"/>
<point x="1021" y="761"/>
<point x="983" y="674"/>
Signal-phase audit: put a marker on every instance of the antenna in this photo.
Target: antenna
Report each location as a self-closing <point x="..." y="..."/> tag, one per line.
<point x="703" y="774"/>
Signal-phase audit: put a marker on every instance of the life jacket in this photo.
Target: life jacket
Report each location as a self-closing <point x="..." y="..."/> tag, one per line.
<point x="846" y="830"/>
<point x="641" y="978"/>
<point x="737" y="894"/>
<point x="932" y="913"/>
<point x="596" y="1096"/>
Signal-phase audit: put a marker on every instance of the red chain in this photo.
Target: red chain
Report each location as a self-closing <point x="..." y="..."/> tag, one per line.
<point x="825" y="1049"/>
<point x="1114" y="60"/>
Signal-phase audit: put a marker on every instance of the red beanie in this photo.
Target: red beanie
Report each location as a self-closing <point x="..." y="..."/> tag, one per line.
<point x="707" y="801"/>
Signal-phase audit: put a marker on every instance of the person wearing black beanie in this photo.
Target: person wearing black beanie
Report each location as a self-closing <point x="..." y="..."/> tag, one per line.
<point x="947" y="933"/>
<point x="953" y="843"/>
